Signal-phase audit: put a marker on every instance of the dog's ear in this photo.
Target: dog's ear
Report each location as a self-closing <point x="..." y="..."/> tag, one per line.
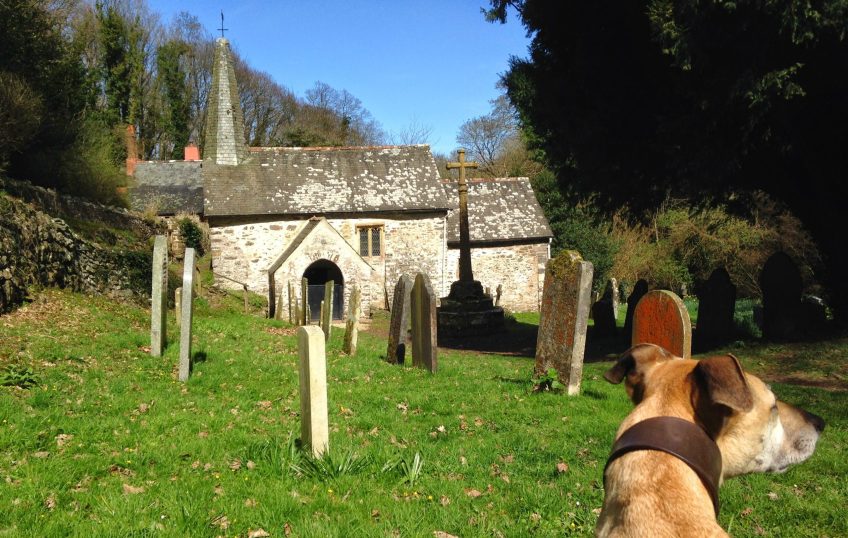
<point x="633" y="364"/>
<point x="725" y="382"/>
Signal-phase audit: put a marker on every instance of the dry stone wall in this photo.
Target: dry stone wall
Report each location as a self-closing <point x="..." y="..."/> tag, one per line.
<point x="519" y="270"/>
<point x="36" y="249"/>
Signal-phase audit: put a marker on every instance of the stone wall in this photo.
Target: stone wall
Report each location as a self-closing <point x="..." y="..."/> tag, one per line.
<point x="518" y="268"/>
<point x="36" y="249"/>
<point x="244" y="251"/>
<point x="64" y="206"/>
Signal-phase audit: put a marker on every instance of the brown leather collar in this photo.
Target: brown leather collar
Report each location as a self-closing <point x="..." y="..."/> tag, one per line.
<point x="683" y="439"/>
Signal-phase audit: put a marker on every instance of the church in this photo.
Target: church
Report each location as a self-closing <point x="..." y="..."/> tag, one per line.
<point x="359" y="216"/>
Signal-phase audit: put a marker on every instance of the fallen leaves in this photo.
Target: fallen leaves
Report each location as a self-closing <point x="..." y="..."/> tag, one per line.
<point x="561" y="467"/>
<point x="132" y="490"/>
<point x="443" y="534"/>
<point x="258" y="533"/>
<point x="473" y="493"/>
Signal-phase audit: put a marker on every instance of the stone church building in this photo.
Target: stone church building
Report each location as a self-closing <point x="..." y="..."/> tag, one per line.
<point x="355" y="215"/>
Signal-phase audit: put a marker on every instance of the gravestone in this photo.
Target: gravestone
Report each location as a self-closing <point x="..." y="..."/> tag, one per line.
<point x="424" y="324"/>
<point x="563" y="318"/>
<point x="314" y="419"/>
<point x="398" y="326"/>
<point x="292" y="303"/>
<point x="716" y="303"/>
<point x="159" y="297"/>
<point x="352" y="324"/>
<point x="278" y="312"/>
<point x="297" y="314"/>
<point x="499" y="293"/>
<point x="304" y="302"/>
<point x="178" y="305"/>
<point x="661" y="318"/>
<point x="186" y="315"/>
<point x="321" y="312"/>
<point x="639" y="290"/>
<point x="780" y="283"/>
<point x="327" y="310"/>
<point x="604" y="311"/>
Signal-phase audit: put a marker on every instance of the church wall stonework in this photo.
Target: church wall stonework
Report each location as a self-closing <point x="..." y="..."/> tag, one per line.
<point x="244" y="251"/>
<point x="519" y="269"/>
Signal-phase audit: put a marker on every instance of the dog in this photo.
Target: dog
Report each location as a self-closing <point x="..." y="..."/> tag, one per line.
<point x="695" y="423"/>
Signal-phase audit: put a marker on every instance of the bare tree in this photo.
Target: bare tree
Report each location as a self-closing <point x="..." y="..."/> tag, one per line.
<point x="415" y="132"/>
<point x="486" y="137"/>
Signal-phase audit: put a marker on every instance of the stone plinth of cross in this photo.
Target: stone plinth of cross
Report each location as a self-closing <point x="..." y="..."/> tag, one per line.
<point x="465" y="273"/>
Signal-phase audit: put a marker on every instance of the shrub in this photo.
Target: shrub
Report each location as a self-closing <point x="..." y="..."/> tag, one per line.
<point x="192" y="235"/>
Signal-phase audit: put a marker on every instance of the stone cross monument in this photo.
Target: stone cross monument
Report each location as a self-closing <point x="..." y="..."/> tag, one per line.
<point x="467" y="310"/>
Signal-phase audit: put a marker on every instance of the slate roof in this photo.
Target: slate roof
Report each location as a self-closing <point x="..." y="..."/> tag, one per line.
<point x="172" y="186"/>
<point x="501" y="209"/>
<point x="277" y="181"/>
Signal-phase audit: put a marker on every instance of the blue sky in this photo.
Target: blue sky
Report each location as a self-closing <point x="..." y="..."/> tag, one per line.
<point x="433" y="62"/>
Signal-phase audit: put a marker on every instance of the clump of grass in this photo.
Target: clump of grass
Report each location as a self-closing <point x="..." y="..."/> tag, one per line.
<point x="410" y="471"/>
<point x="329" y="467"/>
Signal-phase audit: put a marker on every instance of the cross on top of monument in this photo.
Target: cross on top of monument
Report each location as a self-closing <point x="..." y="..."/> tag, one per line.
<point x="222" y="29"/>
<point x="462" y="165"/>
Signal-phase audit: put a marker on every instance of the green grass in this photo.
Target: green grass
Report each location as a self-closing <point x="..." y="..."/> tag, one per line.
<point x="108" y="443"/>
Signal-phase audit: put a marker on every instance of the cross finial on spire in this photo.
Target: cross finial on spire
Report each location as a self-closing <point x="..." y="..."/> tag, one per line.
<point x="222" y="29"/>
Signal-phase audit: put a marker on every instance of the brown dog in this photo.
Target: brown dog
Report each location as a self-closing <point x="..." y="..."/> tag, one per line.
<point x="663" y="477"/>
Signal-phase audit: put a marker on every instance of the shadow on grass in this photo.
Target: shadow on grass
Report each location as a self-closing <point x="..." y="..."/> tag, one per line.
<point x="199" y="356"/>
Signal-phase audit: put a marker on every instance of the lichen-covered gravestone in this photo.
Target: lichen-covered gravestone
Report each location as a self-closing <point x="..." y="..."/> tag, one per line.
<point x="314" y="419"/>
<point x="612" y="292"/>
<point x="562" y="322"/>
<point x="159" y="297"/>
<point x="424" y="324"/>
<point x="780" y="282"/>
<point x="186" y="314"/>
<point x="398" y="326"/>
<point x="327" y="310"/>
<point x="639" y="291"/>
<point x="661" y="318"/>
<point x="716" y="303"/>
<point x="352" y="323"/>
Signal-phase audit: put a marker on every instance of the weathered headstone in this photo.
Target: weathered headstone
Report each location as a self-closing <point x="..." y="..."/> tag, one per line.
<point x="298" y="317"/>
<point x="603" y="312"/>
<point x="327" y="310"/>
<point x="314" y="419"/>
<point x="278" y="312"/>
<point x="661" y="318"/>
<point x="321" y="313"/>
<point x="563" y="319"/>
<point x="639" y="290"/>
<point x="499" y="292"/>
<point x="178" y="305"/>
<point x="159" y="297"/>
<point x="292" y="302"/>
<point x="186" y="314"/>
<point x="352" y="323"/>
<point x="424" y="324"/>
<point x="398" y="340"/>
<point x="611" y="291"/>
<point x="716" y="303"/>
<point x="304" y="302"/>
<point x="780" y="282"/>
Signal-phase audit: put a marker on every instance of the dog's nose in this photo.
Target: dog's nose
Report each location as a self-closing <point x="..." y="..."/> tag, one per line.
<point x="815" y="420"/>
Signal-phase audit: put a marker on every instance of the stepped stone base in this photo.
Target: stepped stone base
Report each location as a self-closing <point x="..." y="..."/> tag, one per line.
<point x="468" y="311"/>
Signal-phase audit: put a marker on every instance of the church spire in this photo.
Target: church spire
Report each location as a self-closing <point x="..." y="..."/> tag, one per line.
<point x="225" y="142"/>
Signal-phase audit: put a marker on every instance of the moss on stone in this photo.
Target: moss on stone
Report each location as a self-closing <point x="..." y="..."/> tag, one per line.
<point x="563" y="263"/>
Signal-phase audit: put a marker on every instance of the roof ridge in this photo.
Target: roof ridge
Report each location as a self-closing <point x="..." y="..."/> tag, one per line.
<point x="258" y="149"/>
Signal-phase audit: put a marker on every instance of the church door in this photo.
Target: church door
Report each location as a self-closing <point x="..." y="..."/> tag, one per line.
<point x="317" y="275"/>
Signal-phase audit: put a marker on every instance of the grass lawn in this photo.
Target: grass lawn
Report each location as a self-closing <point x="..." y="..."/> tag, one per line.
<point x="108" y="443"/>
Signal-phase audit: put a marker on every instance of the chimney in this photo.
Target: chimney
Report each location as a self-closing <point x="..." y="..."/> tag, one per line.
<point x="191" y="153"/>
<point x="132" y="151"/>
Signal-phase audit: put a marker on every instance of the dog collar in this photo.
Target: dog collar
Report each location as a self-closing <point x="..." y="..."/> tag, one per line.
<point x="682" y="439"/>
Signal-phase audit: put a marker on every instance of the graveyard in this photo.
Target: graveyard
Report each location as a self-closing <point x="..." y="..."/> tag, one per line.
<point x="100" y="437"/>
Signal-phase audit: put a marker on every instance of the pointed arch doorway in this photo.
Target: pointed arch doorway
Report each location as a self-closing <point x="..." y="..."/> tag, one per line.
<point x="317" y="275"/>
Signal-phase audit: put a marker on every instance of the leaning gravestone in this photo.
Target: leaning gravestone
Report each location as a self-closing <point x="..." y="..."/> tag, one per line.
<point x="398" y="340"/>
<point x="424" y="324"/>
<point x="780" y="283"/>
<point x="716" y="303"/>
<point x="562" y="322"/>
<point x="639" y="291"/>
<point x="327" y="310"/>
<point x="352" y="324"/>
<point x="314" y="419"/>
<point x="159" y="297"/>
<point x="186" y="313"/>
<point x="661" y="318"/>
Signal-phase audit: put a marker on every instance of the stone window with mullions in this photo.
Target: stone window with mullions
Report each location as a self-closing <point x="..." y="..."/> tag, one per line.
<point x="370" y="241"/>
